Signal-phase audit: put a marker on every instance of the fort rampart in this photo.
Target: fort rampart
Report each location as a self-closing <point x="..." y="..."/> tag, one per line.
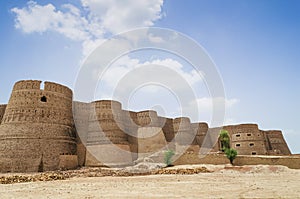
<point x="42" y="129"/>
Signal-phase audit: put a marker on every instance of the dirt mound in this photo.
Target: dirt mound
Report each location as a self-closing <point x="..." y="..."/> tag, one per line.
<point x="258" y="168"/>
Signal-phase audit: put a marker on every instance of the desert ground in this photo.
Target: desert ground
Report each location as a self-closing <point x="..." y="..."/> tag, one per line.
<point x="223" y="181"/>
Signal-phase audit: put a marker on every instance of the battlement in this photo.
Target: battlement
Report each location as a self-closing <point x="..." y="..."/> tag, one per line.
<point x="147" y="118"/>
<point x="57" y="88"/>
<point x="27" y="85"/>
<point x="200" y="127"/>
<point x="242" y="126"/>
<point x="107" y="104"/>
<point x="181" y="123"/>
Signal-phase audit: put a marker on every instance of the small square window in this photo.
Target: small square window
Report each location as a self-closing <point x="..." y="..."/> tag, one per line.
<point x="237" y="145"/>
<point x="238" y="135"/>
<point x="253" y="153"/>
<point x="43" y="99"/>
<point x="251" y="144"/>
<point x="249" y="134"/>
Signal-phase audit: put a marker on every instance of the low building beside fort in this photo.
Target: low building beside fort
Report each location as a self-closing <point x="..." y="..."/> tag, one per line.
<point x="44" y="129"/>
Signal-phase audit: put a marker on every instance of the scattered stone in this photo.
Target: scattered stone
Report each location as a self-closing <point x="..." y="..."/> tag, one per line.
<point x="145" y="168"/>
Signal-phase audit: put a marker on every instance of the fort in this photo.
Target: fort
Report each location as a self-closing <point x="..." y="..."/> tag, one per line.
<point x="44" y="129"/>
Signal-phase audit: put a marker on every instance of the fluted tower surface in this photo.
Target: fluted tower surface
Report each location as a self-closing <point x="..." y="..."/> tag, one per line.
<point x="106" y="123"/>
<point x="183" y="131"/>
<point x="2" y="111"/>
<point x="37" y="127"/>
<point x="168" y="129"/>
<point x="107" y="143"/>
<point x="276" y="144"/>
<point x="247" y="139"/>
<point x="201" y="131"/>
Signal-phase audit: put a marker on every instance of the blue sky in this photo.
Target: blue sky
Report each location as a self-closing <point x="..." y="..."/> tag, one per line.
<point x="255" y="45"/>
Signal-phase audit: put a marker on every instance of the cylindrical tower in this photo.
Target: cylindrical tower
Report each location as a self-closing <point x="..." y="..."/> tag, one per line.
<point x="201" y="131"/>
<point x="107" y="143"/>
<point x="168" y="130"/>
<point x="184" y="135"/>
<point x="105" y="123"/>
<point x="37" y="127"/>
<point x="81" y="113"/>
<point x="247" y="139"/>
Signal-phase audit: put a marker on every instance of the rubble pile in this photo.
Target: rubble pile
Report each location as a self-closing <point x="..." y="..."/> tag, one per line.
<point x="99" y="172"/>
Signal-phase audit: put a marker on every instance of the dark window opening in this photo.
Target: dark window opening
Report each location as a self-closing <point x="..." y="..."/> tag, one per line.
<point x="251" y="144"/>
<point x="41" y="165"/>
<point x="238" y="145"/>
<point x="253" y="153"/>
<point x="249" y="134"/>
<point x="43" y="99"/>
<point x="238" y="135"/>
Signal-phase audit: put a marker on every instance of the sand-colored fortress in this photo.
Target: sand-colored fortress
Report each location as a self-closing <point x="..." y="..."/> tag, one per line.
<point x="43" y="129"/>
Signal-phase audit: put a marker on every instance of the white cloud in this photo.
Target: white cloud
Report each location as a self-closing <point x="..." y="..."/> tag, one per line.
<point x="118" y="16"/>
<point x="37" y="18"/>
<point x="162" y="68"/>
<point x="106" y="17"/>
<point x="155" y="39"/>
<point x="290" y="132"/>
<point x="103" y="17"/>
<point x="89" y="45"/>
<point x="229" y="121"/>
<point x="207" y="103"/>
<point x="202" y="108"/>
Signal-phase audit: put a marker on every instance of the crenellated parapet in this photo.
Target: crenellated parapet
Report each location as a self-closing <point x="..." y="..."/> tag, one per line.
<point x="27" y="85"/>
<point x="57" y="88"/>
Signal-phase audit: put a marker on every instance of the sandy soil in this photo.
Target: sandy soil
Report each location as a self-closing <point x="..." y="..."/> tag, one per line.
<point x="224" y="182"/>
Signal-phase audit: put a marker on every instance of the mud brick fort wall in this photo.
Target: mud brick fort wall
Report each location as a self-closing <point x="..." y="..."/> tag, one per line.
<point x="38" y="133"/>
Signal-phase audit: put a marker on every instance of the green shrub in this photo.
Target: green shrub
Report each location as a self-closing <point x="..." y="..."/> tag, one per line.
<point x="168" y="156"/>
<point x="231" y="154"/>
<point x="225" y="140"/>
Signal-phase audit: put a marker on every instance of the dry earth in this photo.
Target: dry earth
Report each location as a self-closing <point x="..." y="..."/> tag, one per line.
<point x="222" y="182"/>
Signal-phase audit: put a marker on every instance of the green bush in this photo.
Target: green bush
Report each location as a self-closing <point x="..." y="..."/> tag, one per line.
<point x="168" y="156"/>
<point x="231" y="154"/>
<point x="225" y="140"/>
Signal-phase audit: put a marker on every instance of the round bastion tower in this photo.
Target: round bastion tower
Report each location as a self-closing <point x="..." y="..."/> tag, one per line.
<point x="247" y="139"/>
<point x="37" y="128"/>
<point x="107" y="143"/>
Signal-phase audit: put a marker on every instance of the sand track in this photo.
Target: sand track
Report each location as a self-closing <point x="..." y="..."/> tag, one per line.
<point x="223" y="182"/>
